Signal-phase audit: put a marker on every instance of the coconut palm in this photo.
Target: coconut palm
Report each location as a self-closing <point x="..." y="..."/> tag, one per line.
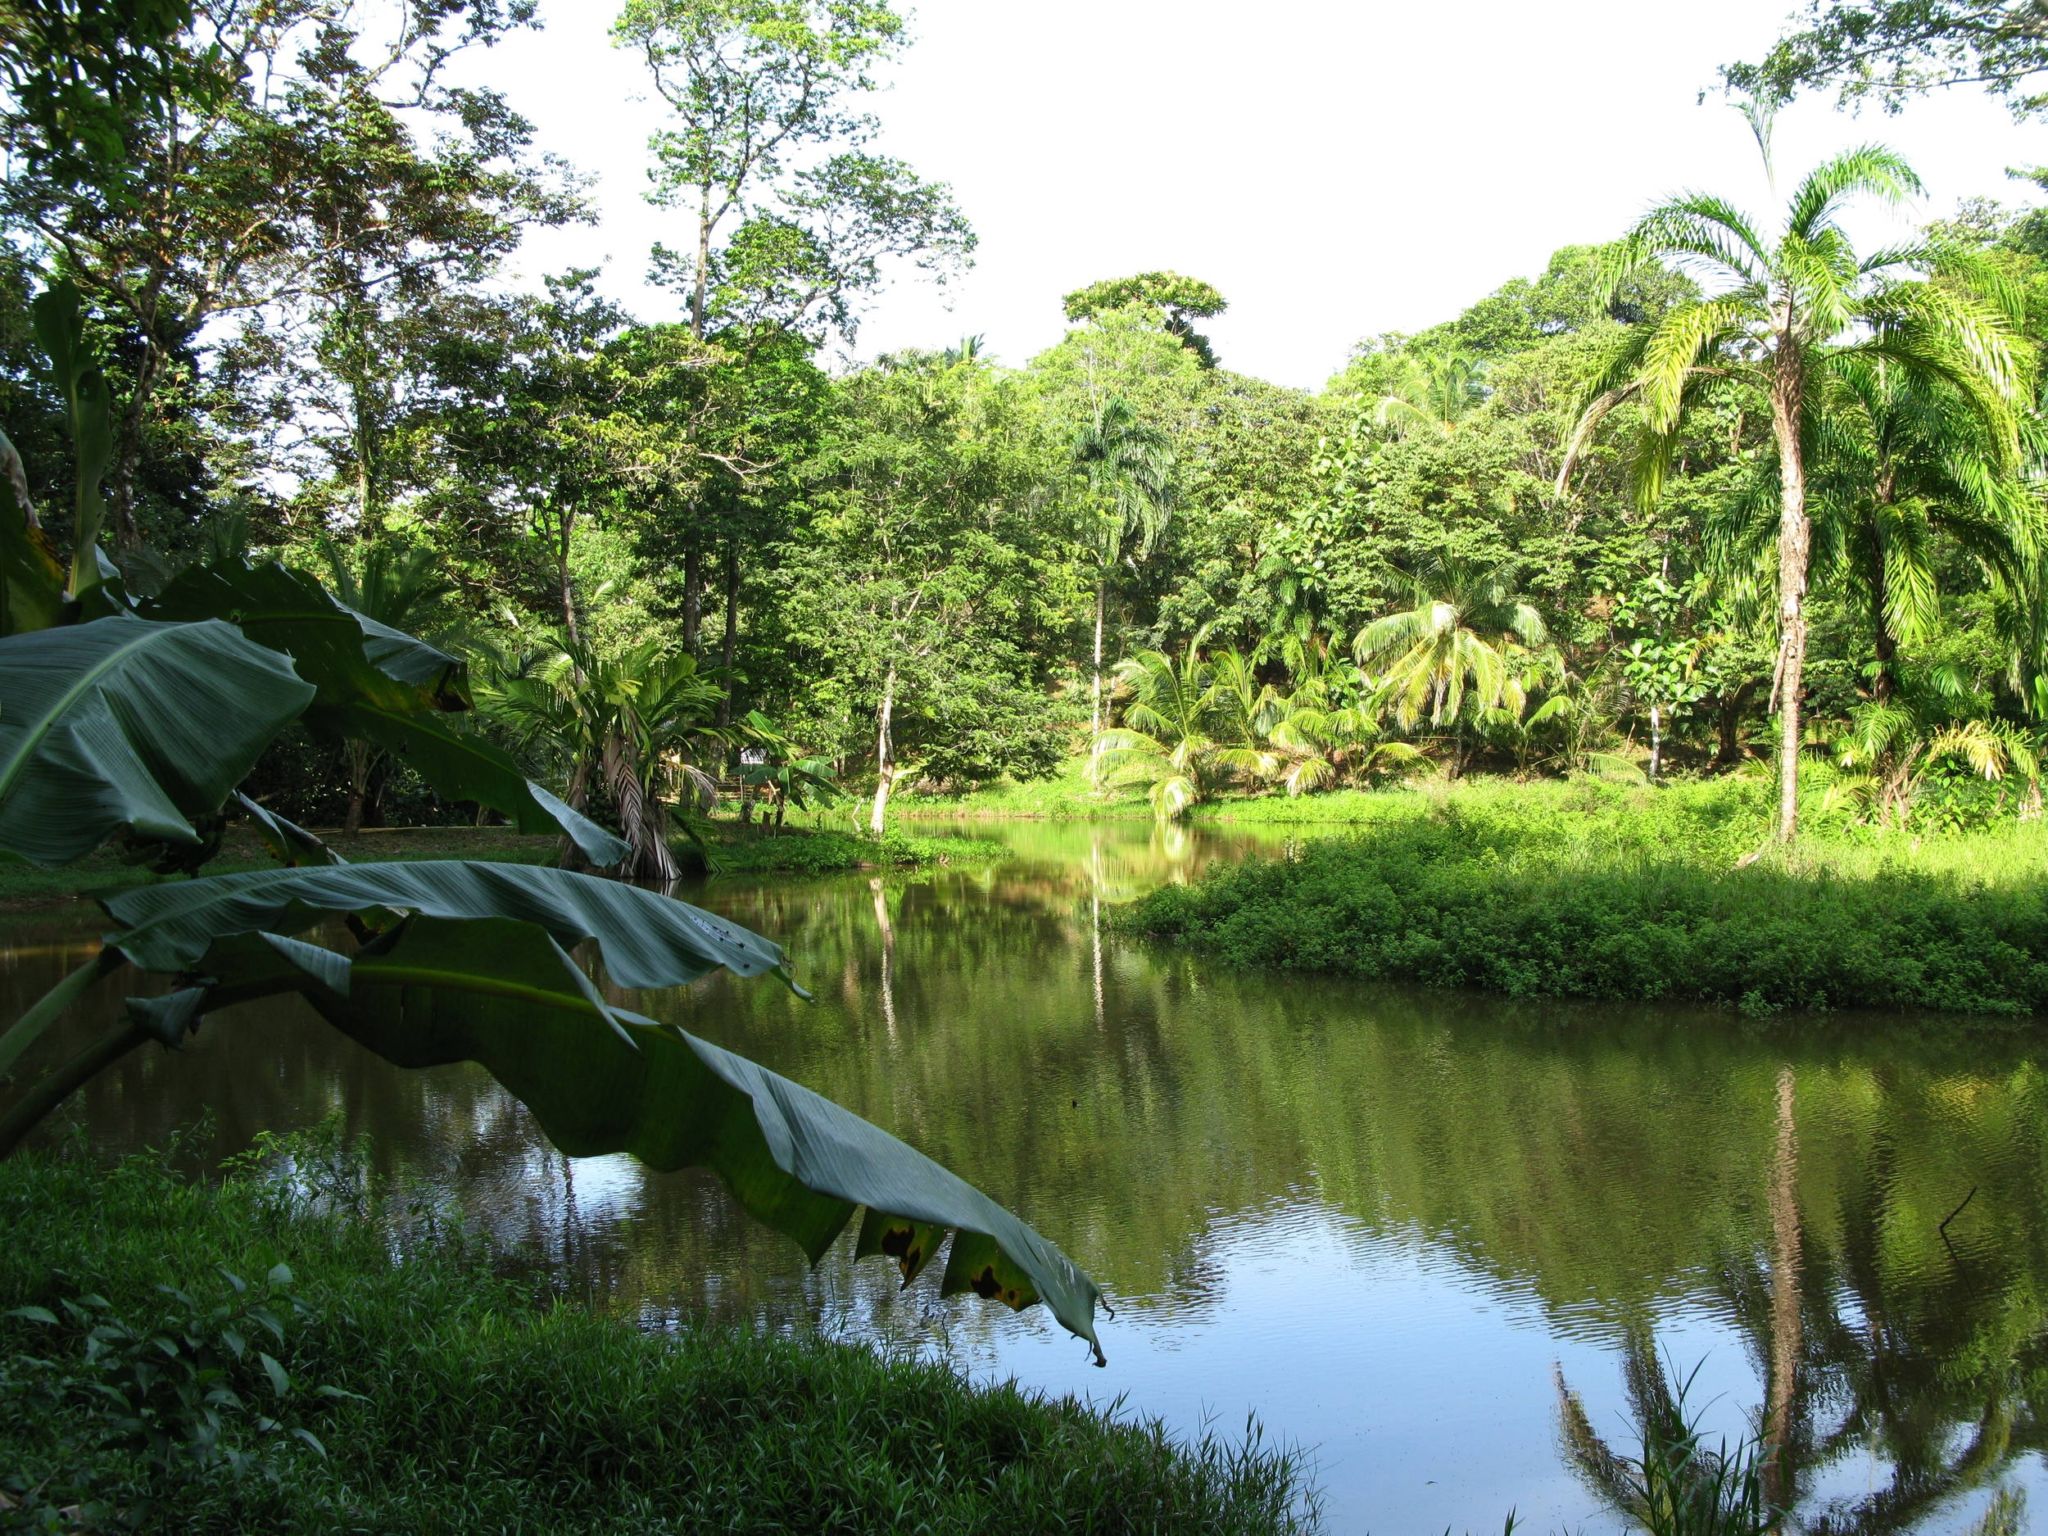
<point x="1126" y="470"/>
<point x="1786" y="314"/>
<point x="1459" y="643"/>
<point x="1177" y="735"/>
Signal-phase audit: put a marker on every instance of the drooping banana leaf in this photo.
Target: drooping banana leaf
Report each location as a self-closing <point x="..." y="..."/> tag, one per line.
<point x="600" y="1079"/>
<point x="124" y="723"/>
<point x="647" y="940"/>
<point x="380" y="685"/>
<point x="466" y="767"/>
<point x="348" y="657"/>
<point x="59" y="322"/>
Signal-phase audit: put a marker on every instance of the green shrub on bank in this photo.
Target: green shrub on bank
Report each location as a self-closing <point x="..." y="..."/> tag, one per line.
<point x="1643" y="904"/>
<point x="427" y="1394"/>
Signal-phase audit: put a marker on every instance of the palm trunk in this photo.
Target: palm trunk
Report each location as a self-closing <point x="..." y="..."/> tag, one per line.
<point x="1101" y="603"/>
<point x="885" y="755"/>
<point x="1795" y="535"/>
<point x="1782" y="1390"/>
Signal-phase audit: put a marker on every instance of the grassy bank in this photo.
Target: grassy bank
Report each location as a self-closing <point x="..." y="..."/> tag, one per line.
<point x="427" y="1394"/>
<point x="824" y="850"/>
<point x="1586" y="890"/>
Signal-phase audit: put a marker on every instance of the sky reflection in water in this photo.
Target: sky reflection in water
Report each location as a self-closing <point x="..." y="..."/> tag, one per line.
<point x="1382" y="1221"/>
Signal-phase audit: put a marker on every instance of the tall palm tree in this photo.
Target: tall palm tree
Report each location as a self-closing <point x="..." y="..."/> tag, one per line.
<point x="1786" y="314"/>
<point x="1458" y="641"/>
<point x="1126" y="471"/>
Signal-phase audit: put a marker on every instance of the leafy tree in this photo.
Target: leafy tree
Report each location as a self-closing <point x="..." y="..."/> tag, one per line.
<point x="793" y="219"/>
<point x="1787" y="313"/>
<point x="282" y="167"/>
<point x="1177" y="302"/>
<point x="1657" y="661"/>
<point x="1895" y="49"/>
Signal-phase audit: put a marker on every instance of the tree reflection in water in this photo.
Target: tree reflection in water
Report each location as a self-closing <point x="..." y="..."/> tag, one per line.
<point x="1210" y="1144"/>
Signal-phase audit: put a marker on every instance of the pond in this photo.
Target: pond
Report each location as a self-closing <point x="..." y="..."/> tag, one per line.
<point x="1397" y="1227"/>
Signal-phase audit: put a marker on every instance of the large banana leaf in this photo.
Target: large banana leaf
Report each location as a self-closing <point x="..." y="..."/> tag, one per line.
<point x="350" y="658"/>
<point x="647" y="940"/>
<point x="124" y="723"/>
<point x="31" y="579"/>
<point x="599" y="1079"/>
<point x="466" y="767"/>
<point x="377" y="684"/>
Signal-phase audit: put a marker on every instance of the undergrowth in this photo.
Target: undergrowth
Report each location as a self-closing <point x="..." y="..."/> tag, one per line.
<point x="378" y="1375"/>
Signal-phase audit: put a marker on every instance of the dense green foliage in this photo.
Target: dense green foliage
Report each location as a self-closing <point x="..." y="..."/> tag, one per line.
<point x="1556" y="532"/>
<point x="443" y="1397"/>
<point x="1598" y="892"/>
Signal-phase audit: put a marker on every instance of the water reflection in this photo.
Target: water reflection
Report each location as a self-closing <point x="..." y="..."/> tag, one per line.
<point x="1384" y="1221"/>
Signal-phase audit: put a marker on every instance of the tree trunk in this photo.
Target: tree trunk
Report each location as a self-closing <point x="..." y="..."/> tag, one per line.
<point x="693" y="598"/>
<point x="1656" y="740"/>
<point x="120" y="482"/>
<point x="729" y="649"/>
<point x="1101" y="602"/>
<point x="565" y="585"/>
<point x="701" y="289"/>
<point x="1782" y="1389"/>
<point x="885" y="755"/>
<point x="1883" y="641"/>
<point x="1795" y="536"/>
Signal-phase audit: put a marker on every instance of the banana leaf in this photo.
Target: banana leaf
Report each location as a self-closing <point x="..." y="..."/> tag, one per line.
<point x="647" y="940"/>
<point x="377" y="684"/>
<point x="122" y="723"/>
<point x="31" y="577"/>
<point x="598" y="1078"/>
<point x="349" y="657"/>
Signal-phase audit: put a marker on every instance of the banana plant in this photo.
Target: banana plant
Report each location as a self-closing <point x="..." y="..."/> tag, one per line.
<point x="138" y="725"/>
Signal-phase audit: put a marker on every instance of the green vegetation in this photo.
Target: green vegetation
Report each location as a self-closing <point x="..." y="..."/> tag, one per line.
<point x="144" y="1380"/>
<point x="726" y="849"/>
<point x="1587" y="890"/>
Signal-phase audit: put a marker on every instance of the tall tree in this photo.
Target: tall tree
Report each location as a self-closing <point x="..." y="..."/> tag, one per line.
<point x="1784" y="314"/>
<point x="1892" y="49"/>
<point x="279" y="162"/>
<point x="1174" y="302"/>
<point x="1125" y="470"/>
<point x="793" y="223"/>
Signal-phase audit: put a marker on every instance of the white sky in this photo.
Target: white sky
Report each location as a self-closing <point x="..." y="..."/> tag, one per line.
<point x="1337" y="170"/>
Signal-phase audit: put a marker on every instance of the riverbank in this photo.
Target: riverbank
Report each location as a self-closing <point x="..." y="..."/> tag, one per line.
<point x="1591" y="891"/>
<point x="262" y="1363"/>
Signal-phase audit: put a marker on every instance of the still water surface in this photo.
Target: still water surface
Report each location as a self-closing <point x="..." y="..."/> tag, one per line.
<point x="1395" y="1226"/>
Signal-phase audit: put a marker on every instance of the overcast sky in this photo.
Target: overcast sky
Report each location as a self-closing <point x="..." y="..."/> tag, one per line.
<point x="1337" y="170"/>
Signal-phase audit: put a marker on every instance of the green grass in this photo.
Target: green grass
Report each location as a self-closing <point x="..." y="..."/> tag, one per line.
<point x="1588" y="890"/>
<point x="449" y="1398"/>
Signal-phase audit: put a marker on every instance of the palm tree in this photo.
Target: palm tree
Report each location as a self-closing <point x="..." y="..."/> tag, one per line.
<point x="1786" y="315"/>
<point x="1126" y="469"/>
<point x="1932" y="716"/>
<point x="1430" y="395"/>
<point x="1177" y="733"/>
<point x="1461" y="638"/>
<point x="1327" y="731"/>
<point x="403" y="589"/>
